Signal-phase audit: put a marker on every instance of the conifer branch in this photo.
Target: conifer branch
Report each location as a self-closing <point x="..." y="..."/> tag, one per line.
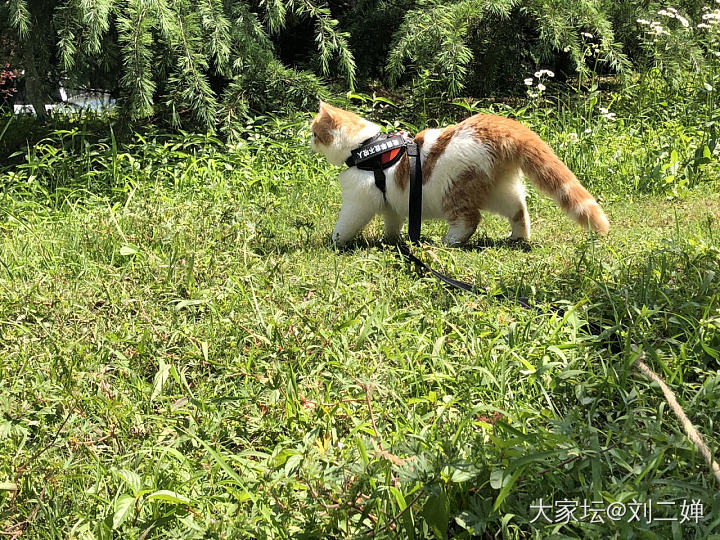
<point x="19" y="17"/>
<point x="135" y="38"/>
<point x="217" y="27"/>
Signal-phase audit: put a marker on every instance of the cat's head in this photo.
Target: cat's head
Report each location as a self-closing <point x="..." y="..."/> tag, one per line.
<point x="335" y="133"/>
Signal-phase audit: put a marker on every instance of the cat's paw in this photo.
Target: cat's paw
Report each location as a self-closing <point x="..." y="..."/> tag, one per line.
<point x="451" y="240"/>
<point x="339" y="241"/>
<point x="336" y="242"/>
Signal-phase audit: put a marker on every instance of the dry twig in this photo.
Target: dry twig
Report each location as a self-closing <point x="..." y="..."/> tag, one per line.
<point x="687" y="425"/>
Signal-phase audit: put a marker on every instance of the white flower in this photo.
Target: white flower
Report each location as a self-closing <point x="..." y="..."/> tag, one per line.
<point x="606" y="113"/>
<point x="683" y="21"/>
<point x="539" y="74"/>
<point x="708" y="87"/>
<point x="587" y="35"/>
<point x="703" y="25"/>
<point x="588" y="131"/>
<point x="664" y="12"/>
<point x="573" y="137"/>
<point x="643" y="21"/>
<point x="541" y="86"/>
<point x="528" y="81"/>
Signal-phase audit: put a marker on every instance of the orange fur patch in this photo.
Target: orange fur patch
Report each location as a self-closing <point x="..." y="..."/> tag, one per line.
<point x="466" y="196"/>
<point x="331" y="118"/>
<point x="513" y="144"/>
<point x="402" y="173"/>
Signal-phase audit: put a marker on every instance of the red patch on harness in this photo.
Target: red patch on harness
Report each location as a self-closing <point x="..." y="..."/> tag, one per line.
<point x="387" y="157"/>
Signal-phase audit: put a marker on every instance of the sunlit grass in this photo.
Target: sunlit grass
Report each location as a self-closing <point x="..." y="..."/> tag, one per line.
<point x="184" y="354"/>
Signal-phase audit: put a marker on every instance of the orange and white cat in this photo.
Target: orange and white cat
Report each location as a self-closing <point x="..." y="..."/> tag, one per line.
<point x="468" y="167"/>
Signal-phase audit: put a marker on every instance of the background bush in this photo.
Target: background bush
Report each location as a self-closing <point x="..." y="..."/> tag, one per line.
<point x="206" y="63"/>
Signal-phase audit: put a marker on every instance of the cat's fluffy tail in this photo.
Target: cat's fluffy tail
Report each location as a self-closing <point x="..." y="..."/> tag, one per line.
<point x="552" y="177"/>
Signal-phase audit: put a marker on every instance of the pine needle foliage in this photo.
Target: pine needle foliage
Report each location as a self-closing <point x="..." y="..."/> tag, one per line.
<point x="436" y="44"/>
<point x="19" y="17"/>
<point x="208" y="62"/>
<point x="197" y="60"/>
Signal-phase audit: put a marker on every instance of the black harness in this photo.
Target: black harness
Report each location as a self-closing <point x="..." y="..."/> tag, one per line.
<point x="378" y="153"/>
<point x="383" y="151"/>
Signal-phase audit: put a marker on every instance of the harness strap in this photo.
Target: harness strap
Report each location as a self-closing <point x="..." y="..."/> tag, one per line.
<point x="380" y="180"/>
<point x="375" y="149"/>
<point x="415" y="203"/>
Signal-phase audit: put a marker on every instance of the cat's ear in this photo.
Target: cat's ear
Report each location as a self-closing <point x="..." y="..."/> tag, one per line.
<point x="326" y="109"/>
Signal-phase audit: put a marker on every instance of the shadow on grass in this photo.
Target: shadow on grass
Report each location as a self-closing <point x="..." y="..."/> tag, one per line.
<point x="485" y="242"/>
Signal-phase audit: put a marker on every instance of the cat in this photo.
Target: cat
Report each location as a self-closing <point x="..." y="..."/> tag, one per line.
<point x="468" y="167"/>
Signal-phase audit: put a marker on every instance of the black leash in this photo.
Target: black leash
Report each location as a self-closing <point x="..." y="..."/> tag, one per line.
<point x="522" y="301"/>
<point x="595" y="329"/>
<point x="414" y="225"/>
<point x="415" y="204"/>
<point x="382" y="151"/>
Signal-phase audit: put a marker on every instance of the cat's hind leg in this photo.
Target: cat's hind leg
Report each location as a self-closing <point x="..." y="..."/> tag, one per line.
<point x="520" y="223"/>
<point x="462" y="202"/>
<point x="508" y="200"/>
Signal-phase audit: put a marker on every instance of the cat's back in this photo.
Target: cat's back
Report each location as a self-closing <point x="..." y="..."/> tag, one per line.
<point x="482" y="127"/>
<point x="485" y="134"/>
<point x="493" y="128"/>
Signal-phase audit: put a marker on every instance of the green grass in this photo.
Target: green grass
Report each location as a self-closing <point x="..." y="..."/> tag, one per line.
<point x="184" y="355"/>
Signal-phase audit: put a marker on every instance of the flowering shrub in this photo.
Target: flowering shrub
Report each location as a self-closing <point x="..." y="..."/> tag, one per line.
<point x="8" y="74"/>
<point x="537" y="89"/>
<point x="682" y="48"/>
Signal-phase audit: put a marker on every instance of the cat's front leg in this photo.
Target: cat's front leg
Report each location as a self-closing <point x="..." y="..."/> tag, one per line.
<point x="393" y="224"/>
<point x="352" y="218"/>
